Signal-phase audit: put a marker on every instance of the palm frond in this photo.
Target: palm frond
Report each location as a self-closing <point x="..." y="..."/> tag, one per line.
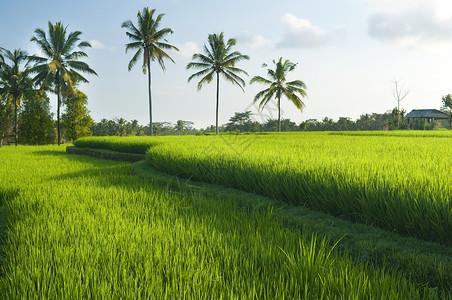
<point x="294" y="99"/>
<point x="200" y="73"/>
<point x="234" y="79"/>
<point x="260" y="79"/>
<point x="134" y="46"/>
<point x="135" y="58"/>
<point x="76" y="55"/>
<point x="206" y="79"/>
<point x="297" y="83"/>
<point x="201" y="58"/>
<point x="196" y="65"/>
<point x="81" y="66"/>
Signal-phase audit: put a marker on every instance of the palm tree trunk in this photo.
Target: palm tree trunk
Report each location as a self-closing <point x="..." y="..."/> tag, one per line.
<point x="150" y="99"/>
<point x="279" y="114"/>
<point x="15" y="121"/>
<point x="58" y="111"/>
<point x="218" y="101"/>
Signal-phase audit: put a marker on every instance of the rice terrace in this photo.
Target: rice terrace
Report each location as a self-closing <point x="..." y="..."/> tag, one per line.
<point x="254" y="222"/>
<point x="275" y="203"/>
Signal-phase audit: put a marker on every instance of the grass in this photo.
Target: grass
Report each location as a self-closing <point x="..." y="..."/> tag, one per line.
<point x="85" y="228"/>
<point x="401" y="184"/>
<point x="132" y="144"/>
<point x="106" y="154"/>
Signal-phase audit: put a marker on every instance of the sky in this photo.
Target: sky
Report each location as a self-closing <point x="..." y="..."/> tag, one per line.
<point x="348" y="53"/>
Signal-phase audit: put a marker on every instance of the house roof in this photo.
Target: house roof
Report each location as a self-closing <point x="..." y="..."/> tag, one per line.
<point x="427" y="113"/>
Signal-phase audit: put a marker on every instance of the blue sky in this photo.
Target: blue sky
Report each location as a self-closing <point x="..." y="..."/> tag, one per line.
<point x="348" y="53"/>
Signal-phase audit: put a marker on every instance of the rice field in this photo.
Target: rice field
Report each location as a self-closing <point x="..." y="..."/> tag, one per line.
<point x="83" y="228"/>
<point x="399" y="181"/>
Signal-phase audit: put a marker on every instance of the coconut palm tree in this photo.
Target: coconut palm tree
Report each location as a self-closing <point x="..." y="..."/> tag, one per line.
<point x="2" y="59"/>
<point x="60" y="67"/>
<point x="14" y="82"/>
<point x="149" y="41"/>
<point x="278" y="87"/>
<point x="218" y="59"/>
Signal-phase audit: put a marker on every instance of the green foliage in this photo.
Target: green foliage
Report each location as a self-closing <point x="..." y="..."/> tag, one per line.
<point x="36" y="126"/>
<point x="218" y="59"/>
<point x="76" y="121"/>
<point x="60" y="68"/>
<point x="106" y="234"/>
<point x="14" y="82"/>
<point x="447" y="107"/>
<point x="286" y="125"/>
<point x="242" y="122"/>
<point x="278" y="87"/>
<point x="183" y="126"/>
<point x="149" y="41"/>
<point x="6" y="117"/>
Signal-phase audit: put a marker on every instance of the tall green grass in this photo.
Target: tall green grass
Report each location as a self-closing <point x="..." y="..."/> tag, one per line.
<point x="81" y="228"/>
<point x="402" y="184"/>
<point x="131" y="144"/>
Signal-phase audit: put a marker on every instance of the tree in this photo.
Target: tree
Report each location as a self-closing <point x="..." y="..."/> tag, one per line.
<point x="14" y="82"/>
<point x="149" y="41"/>
<point x="286" y="125"/>
<point x="447" y="107"/>
<point x="60" y="67"/>
<point x="218" y="59"/>
<point x="76" y="121"/>
<point x="279" y="87"/>
<point x="182" y="126"/>
<point x="36" y="125"/>
<point x="6" y="113"/>
<point x="242" y="122"/>
<point x="399" y="94"/>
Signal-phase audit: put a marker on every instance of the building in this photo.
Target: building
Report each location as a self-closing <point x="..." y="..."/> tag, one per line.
<point x="431" y="115"/>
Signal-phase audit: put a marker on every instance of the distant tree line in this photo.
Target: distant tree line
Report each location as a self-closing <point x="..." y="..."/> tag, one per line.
<point x="243" y="122"/>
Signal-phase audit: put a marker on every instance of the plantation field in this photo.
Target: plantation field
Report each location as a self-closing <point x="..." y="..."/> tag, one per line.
<point x="399" y="181"/>
<point x="82" y="228"/>
<point x="402" y="184"/>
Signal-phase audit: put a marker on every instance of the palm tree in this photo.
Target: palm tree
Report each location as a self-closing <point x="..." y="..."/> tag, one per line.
<point x="2" y="59"/>
<point x="60" y="67"/>
<point x="279" y="87"/>
<point x="218" y="58"/>
<point x="149" y="41"/>
<point x="14" y="82"/>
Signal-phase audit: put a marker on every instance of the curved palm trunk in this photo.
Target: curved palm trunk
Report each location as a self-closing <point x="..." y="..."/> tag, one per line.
<point x="218" y="101"/>
<point x="279" y="114"/>
<point x="58" y="112"/>
<point x="151" y="127"/>
<point x="15" y="121"/>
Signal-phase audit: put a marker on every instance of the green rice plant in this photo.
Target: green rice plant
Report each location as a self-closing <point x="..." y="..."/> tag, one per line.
<point x="400" y="133"/>
<point x="132" y="144"/>
<point x="82" y="228"/>
<point x="402" y="184"/>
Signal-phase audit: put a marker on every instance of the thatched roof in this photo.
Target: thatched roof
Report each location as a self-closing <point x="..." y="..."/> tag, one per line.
<point x="427" y="113"/>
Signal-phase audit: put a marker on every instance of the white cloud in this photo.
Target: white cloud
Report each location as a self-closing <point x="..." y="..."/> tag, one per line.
<point x="96" y="44"/>
<point x="254" y="40"/>
<point x="301" y="33"/>
<point x="422" y="24"/>
<point x="187" y="49"/>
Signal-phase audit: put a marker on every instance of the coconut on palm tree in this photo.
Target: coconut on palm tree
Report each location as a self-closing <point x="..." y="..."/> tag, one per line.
<point x="149" y="41"/>
<point x="218" y="59"/>
<point x="60" y="67"/>
<point x="279" y="87"/>
<point x="14" y="82"/>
